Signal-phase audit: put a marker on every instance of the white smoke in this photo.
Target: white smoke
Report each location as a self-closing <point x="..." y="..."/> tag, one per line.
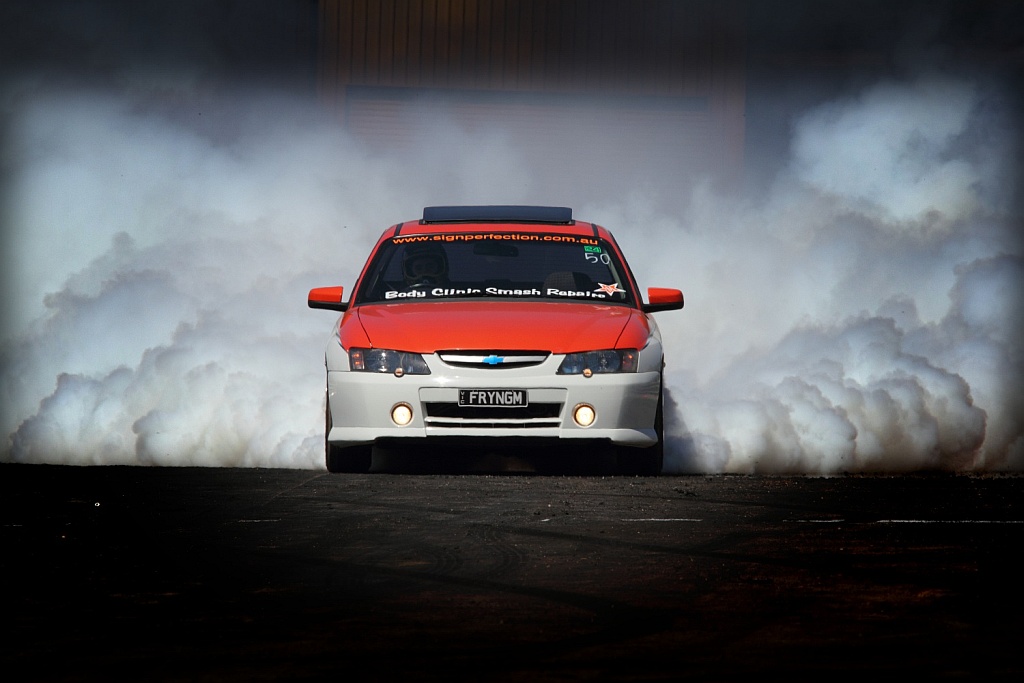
<point x="863" y="317"/>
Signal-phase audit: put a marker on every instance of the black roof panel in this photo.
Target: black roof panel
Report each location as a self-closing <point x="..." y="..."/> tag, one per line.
<point x="497" y="214"/>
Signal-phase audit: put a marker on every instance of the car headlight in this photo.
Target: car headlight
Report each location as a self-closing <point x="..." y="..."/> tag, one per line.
<point x="387" y="360"/>
<point x="592" y="362"/>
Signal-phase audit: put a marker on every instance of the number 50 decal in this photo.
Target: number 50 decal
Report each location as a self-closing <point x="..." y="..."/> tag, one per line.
<point x="595" y="258"/>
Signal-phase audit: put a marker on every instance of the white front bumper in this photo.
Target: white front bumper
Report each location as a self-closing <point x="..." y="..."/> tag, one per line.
<point x="625" y="405"/>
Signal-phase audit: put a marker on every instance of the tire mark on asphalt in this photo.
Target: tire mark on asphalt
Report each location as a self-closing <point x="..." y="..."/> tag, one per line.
<point x="496" y="541"/>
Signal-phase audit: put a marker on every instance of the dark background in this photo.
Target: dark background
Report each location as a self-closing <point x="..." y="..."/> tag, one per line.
<point x="797" y="53"/>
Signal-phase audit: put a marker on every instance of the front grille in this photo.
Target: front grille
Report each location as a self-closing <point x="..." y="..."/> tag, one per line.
<point x="452" y="416"/>
<point x="508" y="424"/>
<point x="493" y="359"/>
<point x="534" y="411"/>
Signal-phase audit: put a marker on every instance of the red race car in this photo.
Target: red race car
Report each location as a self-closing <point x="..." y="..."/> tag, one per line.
<point x="495" y="322"/>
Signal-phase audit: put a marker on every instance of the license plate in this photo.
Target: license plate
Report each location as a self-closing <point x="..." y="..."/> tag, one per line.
<point x="494" y="398"/>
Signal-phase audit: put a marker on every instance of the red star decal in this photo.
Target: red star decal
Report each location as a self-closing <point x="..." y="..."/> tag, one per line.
<point x="609" y="289"/>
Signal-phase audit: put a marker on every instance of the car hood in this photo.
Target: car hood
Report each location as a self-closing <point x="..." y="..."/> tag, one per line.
<point x="556" y="327"/>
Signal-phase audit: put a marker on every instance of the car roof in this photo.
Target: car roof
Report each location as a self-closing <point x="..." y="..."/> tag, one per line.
<point x="498" y="218"/>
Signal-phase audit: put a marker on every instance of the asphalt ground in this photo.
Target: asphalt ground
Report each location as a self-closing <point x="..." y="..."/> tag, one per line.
<point x="195" y="574"/>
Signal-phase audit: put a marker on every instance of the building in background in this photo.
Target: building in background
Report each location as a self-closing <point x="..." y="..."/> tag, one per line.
<point x="652" y="90"/>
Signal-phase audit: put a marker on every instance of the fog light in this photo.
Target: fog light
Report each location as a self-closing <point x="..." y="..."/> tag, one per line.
<point x="584" y="415"/>
<point x="401" y="414"/>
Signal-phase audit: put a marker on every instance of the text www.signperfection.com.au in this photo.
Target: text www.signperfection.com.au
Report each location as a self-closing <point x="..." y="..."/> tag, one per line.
<point x="471" y="237"/>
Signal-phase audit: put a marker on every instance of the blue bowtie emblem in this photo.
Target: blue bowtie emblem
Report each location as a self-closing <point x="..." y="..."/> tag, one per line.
<point x="494" y="360"/>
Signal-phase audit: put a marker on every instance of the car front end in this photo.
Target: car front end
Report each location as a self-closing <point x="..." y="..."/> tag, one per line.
<point x="494" y="392"/>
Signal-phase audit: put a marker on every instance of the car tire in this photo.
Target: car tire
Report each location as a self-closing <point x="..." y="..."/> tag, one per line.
<point x="352" y="459"/>
<point x="645" y="462"/>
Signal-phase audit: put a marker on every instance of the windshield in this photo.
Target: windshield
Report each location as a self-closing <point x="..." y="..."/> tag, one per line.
<point x="495" y="265"/>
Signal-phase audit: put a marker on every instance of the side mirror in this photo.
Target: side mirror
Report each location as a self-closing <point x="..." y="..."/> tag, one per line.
<point x="662" y="299"/>
<point x="328" y="298"/>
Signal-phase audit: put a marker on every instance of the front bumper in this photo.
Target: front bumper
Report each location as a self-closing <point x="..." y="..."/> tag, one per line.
<point x="625" y="406"/>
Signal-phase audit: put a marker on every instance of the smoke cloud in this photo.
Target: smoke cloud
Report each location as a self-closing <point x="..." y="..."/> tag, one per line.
<point x="861" y="315"/>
